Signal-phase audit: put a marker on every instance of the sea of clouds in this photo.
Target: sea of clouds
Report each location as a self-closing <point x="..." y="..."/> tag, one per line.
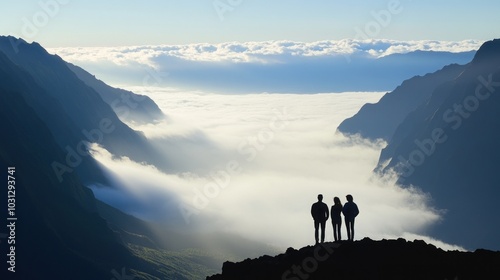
<point x="253" y="164"/>
<point x="272" y="66"/>
<point x="262" y="52"/>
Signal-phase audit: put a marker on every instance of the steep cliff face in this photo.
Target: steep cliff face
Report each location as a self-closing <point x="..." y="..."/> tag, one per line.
<point x="48" y="116"/>
<point x="449" y="147"/>
<point x="443" y="133"/>
<point x="58" y="233"/>
<point x="380" y="120"/>
<point x="75" y="113"/>
<point x="126" y="104"/>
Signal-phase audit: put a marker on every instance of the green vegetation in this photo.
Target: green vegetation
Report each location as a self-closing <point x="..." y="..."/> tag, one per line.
<point x="182" y="264"/>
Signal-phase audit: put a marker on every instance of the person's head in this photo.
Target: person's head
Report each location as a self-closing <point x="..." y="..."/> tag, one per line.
<point x="349" y="197"/>
<point x="320" y="197"/>
<point x="336" y="200"/>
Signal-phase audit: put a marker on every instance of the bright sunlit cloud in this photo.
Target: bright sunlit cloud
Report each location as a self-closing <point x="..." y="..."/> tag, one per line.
<point x="262" y="52"/>
<point x="253" y="165"/>
<point x="271" y="66"/>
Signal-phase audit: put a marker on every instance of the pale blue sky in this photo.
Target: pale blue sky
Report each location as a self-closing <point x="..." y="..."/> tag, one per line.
<point x="61" y="23"/>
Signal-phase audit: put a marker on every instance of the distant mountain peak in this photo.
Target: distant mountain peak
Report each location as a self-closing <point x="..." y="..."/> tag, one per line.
<point x="462" y="169"/>
<point x="489" y="52"/>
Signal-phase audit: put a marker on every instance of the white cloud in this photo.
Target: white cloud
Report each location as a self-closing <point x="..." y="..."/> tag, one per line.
<point x="263" y="52"/>
<point x="269" y="66"/>
<point x="262" y="161"/>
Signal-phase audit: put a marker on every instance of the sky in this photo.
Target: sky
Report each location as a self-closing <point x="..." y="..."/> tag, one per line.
<point x="111" y="23"/>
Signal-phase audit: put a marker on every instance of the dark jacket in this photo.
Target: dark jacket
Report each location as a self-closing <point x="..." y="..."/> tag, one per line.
<point x="335" y="213"/>
<point x="350" y="210"/>
<point x="319" y="211"/>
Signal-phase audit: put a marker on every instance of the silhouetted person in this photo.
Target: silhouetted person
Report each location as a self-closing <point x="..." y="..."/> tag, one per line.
<point x="335" y="213"/>
<point x="319" y="212"/>
<point x="350" y="212"/>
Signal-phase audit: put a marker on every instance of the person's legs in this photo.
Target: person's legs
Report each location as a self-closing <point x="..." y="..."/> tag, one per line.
<point x="348" y="227"/>
<point x="323" y="225"/>
<point x="335" y="227"/>
<point x="339" y="226"/>
<point x="352" y="229"/>
<point x="316" y="227"/>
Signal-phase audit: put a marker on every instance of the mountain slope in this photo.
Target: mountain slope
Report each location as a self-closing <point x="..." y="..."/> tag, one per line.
<point x="445" y="141"/>
<point x="87" y="117"/>
<point x="63" y="231"/>
<point x="380" y="120"/>
<point x="58" y="232"/>
<point x="449" y="148"/>
<point x="126" y="104"/>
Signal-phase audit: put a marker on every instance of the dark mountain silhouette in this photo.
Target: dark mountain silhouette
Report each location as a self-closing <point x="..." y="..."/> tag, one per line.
<point x="448" y="147"/>
<point x="380" y="120"/>
<point x="62" y="231"/>
<point x="75" y="113"/>
<point x="367" y="259"/>
<point x="58" y="232"/>
<point x="126" y="104"/>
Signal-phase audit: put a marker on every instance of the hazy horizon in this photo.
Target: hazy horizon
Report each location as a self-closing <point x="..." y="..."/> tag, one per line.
<point x="270" y="66"/>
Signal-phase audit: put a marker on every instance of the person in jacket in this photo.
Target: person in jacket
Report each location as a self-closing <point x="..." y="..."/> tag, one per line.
<point x="319" y="212"/>
<point x="350" y="212"/>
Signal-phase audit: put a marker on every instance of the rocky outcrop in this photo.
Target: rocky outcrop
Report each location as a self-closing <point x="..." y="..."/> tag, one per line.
<point x="367" y="259"/>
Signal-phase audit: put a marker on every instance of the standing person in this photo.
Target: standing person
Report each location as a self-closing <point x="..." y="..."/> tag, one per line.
<point x="319" y="212"/>
<point x="350" y="212"/>
<point x="335" y="213"/>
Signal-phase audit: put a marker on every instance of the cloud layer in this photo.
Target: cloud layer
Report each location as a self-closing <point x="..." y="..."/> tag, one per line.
<point x="260" y="52"/>
<point x="253" y="165"/>
<point x="271" y="66"/>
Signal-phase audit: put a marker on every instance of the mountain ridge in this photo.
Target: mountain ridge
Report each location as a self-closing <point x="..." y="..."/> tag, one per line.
<point x="446" y="147"/>
<point x="126" y="104"/>
<point x="89" y="119"/>
<point x="53" y="216"/>
<point x="63" y="231"/>
<point x="366" y="259"/>
<point x="380" y="120"/>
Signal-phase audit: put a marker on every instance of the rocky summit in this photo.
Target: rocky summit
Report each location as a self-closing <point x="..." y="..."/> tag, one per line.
<point x="367" y="259"/>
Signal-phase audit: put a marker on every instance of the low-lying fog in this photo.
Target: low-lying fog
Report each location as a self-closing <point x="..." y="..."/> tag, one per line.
<point x="253" y="165"/>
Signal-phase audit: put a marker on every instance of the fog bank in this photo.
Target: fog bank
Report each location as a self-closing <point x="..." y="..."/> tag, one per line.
<point x="253" y="164"/>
